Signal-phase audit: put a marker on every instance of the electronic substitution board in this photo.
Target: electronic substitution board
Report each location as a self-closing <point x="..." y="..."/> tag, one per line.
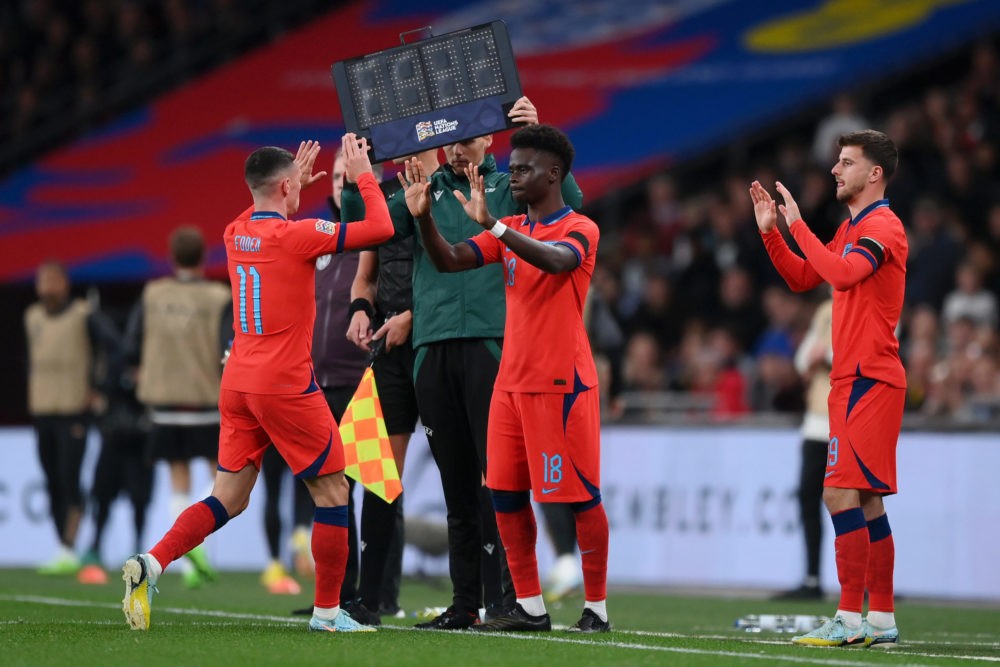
<point x="430" y="93"/>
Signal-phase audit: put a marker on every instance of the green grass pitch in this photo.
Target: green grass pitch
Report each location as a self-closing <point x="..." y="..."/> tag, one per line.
<point x="235" y="623"/>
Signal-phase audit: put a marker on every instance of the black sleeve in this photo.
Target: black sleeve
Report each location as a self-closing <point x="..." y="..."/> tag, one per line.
<point x="133" y="335"/>
<point x="225" y="329"/>
<point x="106" y="344"/>
<point x="103" y="333"/>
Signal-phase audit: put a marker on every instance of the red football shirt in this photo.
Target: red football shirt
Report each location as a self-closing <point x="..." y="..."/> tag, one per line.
<point x="866" y="264"/>
<point x="272" y="264"/>
<point x="545" y="348"/>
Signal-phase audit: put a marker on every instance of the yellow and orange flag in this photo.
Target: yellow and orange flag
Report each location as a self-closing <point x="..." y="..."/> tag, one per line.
<point x="366" y="443"/>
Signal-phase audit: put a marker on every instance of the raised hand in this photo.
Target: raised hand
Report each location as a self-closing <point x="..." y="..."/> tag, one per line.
<point x="415" y="187"/>
<point x="523" y="111"/>
<point x="475" y="207"/>
<point x="356" y="160"/>
<point x="763" y="208"/>
<point x="790" y="209"/>
<point x="306" y="158"/>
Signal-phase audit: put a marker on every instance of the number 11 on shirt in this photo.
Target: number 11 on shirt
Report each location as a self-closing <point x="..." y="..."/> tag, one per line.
<point x="255" y="295"/>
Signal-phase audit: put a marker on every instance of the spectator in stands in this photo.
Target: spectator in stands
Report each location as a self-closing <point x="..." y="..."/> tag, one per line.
<point x="642" y="369"/>
<point x="843" y="118"/>
<point x="720" y="376"/>
<point x="967" y="192"/>
<point x="964" y="373"/>
<point x="934" y="253"/>
<point x="739" y="310"/>
<point x="970" y="299"/>
<point x="657" y="312"/>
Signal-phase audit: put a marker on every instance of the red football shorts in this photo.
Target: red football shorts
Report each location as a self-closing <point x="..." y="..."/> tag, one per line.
<point x="299" y="425"/>
<point x="865" y="418"/>
<point x="549" y="443"/>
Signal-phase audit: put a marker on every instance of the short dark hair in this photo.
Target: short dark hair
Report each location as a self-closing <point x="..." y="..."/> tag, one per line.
<point x="265" y="163"/>
<point x="546" y="138"/>
<point x="875" y="146"/>
<point x="187" y="247"/>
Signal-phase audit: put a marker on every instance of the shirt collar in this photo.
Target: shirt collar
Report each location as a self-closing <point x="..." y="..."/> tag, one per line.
<point x="551" y="218"/>
<point x="868" y="209"/>
<point x="263" y="215"/>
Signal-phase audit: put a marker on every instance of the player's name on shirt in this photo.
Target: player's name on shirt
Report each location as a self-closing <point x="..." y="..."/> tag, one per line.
<point x="246" y="243"/>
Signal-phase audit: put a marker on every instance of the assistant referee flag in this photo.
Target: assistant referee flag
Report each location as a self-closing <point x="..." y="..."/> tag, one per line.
<point x="366" y="443"/>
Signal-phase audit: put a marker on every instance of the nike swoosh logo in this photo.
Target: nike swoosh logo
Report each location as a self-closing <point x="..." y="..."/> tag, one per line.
<point x="547" y="491"/>
<point x="828" y="474"/>
<point x="437" y="194"/>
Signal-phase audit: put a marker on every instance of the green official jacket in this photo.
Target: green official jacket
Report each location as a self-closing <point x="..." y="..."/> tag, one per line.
<point x="465" y="304"/>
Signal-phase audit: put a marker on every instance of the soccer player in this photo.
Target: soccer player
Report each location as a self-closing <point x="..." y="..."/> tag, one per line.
<point x="866" y="265"/>
<point x="269" y="392"/>
<point x="544" y="424"/>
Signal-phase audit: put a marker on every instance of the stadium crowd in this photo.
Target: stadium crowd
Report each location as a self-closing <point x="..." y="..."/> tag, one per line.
<point x="68" y="66"/>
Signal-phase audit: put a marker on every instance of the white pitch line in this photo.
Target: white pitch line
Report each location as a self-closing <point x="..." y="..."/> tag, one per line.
<point x="776" y="639"/>
<point x="803" y="659"/>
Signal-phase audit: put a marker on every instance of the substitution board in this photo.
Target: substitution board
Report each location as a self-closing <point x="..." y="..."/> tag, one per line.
<point x="429" y="93"/>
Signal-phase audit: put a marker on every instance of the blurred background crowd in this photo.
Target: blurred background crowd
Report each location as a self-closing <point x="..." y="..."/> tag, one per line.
<point x="67" y="66"/>
<point x="689" y="318"/>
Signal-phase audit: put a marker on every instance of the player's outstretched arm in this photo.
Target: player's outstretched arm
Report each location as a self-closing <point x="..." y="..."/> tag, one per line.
<point x="447" y="257"/>
<point x="797" y="272"/>
<point x="551" y="258"/>
<point x="377" y="226"/>
<point x="841" y="271"/>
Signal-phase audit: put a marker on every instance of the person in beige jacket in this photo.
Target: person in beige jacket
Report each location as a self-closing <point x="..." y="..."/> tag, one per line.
<point x="64" y="336"/>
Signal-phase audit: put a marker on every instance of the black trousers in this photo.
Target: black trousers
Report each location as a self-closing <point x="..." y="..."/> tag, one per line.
<point x="125" y="464"/>
<point x="814" y="453"/>
<point x="454" y="381"/>
<point x="274" y="471"/>
<point x="62" y="441"/>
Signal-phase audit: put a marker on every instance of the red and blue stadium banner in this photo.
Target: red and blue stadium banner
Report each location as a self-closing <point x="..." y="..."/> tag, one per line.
<point x="637" y="85"/>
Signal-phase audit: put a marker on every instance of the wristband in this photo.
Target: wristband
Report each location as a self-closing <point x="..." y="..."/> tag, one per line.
<point x="361" y="304"/>
<point x="498" y="229"/>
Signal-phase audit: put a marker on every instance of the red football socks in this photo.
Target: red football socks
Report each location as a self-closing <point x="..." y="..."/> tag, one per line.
<point x="852" y="547"/>
<point x="189" y="530"/>
<point x="518" y="533"/>
<point x="881" y="563"/>
<point x="329" y="550"/>
<point x="592" y="536"/>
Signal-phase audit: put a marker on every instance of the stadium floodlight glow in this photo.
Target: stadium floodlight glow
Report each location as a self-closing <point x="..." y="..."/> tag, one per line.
<point x="431" y="92"/>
